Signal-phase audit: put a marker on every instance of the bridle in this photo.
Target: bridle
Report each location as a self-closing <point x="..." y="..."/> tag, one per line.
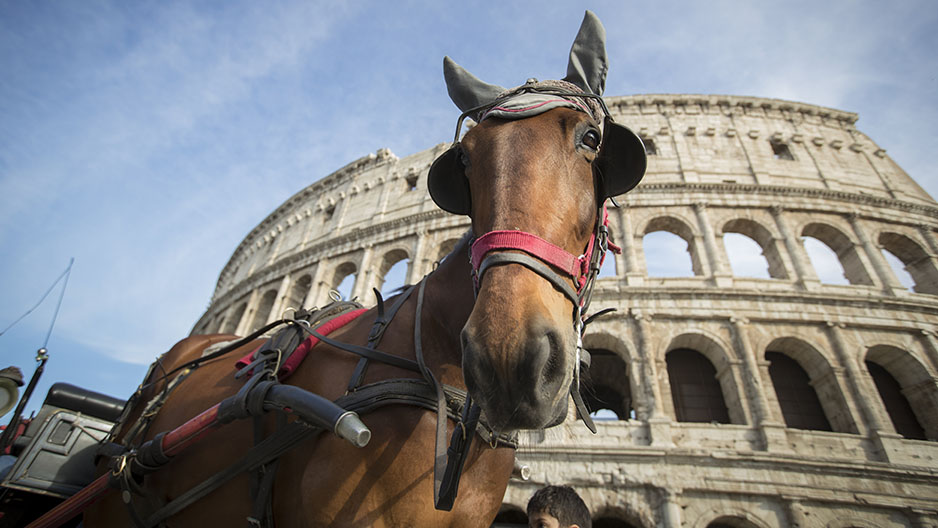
<point x="551" y="262"/>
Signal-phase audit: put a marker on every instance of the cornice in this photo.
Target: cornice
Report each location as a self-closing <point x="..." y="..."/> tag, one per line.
<point x="920" y="303"/>
<point x="745" y="188"/>
<point x="737" y="101"/>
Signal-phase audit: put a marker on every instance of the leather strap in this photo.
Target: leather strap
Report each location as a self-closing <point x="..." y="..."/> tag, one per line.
<point x="377" y="333"/>
<point x="498" y="259"/>
<point x="369" y="353"/>
<point x="439" y="455"/>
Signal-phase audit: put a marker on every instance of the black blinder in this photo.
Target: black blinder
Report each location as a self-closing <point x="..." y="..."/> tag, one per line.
<point x="621" y="162"/>
<point x="447" y="182"/>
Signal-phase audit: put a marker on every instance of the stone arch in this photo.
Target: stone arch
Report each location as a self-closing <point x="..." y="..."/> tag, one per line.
<point x="843" y="247"/>
<point x="680" y="228"/>
<point x="231" y="323"/>
<point x="262" y="311"/>
<point x="730" y="517"/>
<point x="610" y="517"/>
<point x="339" y="277"/>
<point x="764" y="238"/>
<point x="610" y="378"/>
<point x="707" y="344"/>
<point x="697" y="363"/>
<point x="393" y="258"/>
<point x="607" y="386"/>
<point x="917" y="261"/>
<point x="298" y="292"/>
<point x="915" y="384"/>
<point x="732" y="521"/>
<point x="445" y="248"/>
<point x="821" y="377"/>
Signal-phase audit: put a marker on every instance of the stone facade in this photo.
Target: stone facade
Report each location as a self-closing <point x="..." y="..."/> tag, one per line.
<point x="774" y="171"/>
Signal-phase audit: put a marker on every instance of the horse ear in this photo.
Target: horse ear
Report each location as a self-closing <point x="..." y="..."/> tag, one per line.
<point x="465" y="89"/>
<point x="588" y="66"/>
<point x="621" y="161"/>
<point x="447" y="183"/>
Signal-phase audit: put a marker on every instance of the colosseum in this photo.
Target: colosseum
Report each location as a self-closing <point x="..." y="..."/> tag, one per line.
<point x="791" y="397"/>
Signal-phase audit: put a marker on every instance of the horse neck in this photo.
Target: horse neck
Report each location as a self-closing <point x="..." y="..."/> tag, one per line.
<point x="448" y="301"/>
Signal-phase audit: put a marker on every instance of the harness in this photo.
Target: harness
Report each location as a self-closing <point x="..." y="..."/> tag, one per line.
<point x="263" y="392"/>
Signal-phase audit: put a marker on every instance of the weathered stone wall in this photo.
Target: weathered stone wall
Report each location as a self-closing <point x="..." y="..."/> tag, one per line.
<point x="772" y="170"/>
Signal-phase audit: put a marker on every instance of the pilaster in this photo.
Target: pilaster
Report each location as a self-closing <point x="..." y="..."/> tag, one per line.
<point x="891" y="285"/>
<point x="804" y="271"/>
<point x="722" y="276"/>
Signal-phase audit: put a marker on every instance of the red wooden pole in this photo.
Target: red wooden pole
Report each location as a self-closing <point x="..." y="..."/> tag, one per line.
<point x="173" y="443"/>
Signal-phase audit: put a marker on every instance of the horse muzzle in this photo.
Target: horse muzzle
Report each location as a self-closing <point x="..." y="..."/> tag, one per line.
<point x="522" y="381"/>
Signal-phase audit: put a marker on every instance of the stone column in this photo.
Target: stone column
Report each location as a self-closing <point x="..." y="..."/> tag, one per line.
<point x="671" y="510"/>
<point x="929" y="235"/>
<point x="931" y="346"/>
<point x="715" y="255"/>
<point x="796" y="513"/>
<point x="419" y="263"/>
<point x="319" y="290"/>
<point x="806" y="278"/>
<point x="248" y="315"/>
<point x="891" y="285"/>
<point x="283" y="291"/>
<point x="364" y="280"/>
<point x="659" y="424"/>
<point x="633" y="274"/>
<point x="773" y="433"/>
<point x="862" y="390"/>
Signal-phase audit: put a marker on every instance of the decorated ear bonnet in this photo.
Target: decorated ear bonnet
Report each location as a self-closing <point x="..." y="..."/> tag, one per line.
<point x="621" y="161"/>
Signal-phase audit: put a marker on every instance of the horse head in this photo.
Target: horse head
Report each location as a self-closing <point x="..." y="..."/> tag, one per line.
<point x="533" y="175"/>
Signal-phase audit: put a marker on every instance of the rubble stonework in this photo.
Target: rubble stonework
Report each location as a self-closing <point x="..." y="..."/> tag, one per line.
<point x="774" y="171"/>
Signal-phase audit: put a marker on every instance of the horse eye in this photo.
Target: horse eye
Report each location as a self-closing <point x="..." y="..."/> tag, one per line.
<point x="591" y="139"/>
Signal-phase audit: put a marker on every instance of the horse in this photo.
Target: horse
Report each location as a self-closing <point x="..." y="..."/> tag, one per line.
<point x="503" y="325"/>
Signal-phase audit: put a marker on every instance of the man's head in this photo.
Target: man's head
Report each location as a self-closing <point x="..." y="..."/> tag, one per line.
<point x="558" y="507"/>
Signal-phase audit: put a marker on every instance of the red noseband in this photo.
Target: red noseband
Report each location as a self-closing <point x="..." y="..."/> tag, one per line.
<point x="576" y="267"/>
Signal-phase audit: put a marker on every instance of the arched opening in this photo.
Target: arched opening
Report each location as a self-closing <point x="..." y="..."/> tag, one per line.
<point x="755" y="253"/>
<point x="393" y="272"/>
<point x="728" y="521"/>
<point x="669" y="249"/>
<point x="745" y="256"/>
<point x="897" y="405"/>
<point x="606" y="389"/>
<point x="231" y="323"/>
<point x="262" y="313"/>
<point x="834" y="256"/>
<point x="800" y="405"/>
<point x="344" y="280"/>
<point x="822" y="380"/>
<point x="667" y="255"/>
<point x="608" y="268"/>
<point x="826" y="265"/>
<point x="446" y="248"/>
<point x="695" y="390"/>
<point x="911" y="264"/>
<point x="298" y="292"/>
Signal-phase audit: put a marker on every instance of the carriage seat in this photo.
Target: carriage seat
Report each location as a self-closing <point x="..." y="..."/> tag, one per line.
<point x="85" y="401"/>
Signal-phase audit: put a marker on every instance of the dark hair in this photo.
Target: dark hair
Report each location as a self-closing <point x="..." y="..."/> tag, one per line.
<point x="563" y="503"/>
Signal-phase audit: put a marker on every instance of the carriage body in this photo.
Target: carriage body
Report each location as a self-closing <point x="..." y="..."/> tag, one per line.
<point x="54" y="456"/>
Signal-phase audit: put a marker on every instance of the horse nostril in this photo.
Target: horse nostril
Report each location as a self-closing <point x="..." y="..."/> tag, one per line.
<point x="554" y="369"/>
<point x="543" y="359"/>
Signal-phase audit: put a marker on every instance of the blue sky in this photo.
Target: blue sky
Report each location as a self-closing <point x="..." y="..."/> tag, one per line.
<point x="145" y="139"/>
